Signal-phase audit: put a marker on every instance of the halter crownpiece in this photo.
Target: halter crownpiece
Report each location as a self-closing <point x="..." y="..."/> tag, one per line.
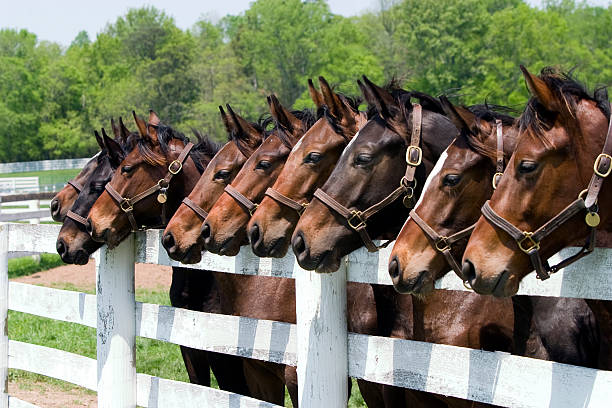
<point x="127" y="204"/>
<point x="529" y="242"/>
<point x="356" y="219"/>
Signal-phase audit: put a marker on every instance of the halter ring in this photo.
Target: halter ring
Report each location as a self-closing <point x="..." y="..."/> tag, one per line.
<point x="180" y="167"/>
<point x="533" y="244"/>
<point x="443" y="241"/>
<point x="129" y="205"/>
<point x="253" y="209"/>
<point x="356" y="215"/>
<point x="414" y="163"/>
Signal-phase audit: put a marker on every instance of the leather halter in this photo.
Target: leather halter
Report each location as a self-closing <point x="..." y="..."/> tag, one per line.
<point x="127" y="204"/>
<point x="78" y="187"/>
<point x="195" y="208"/>
<point x="283" y="199"/>
<point x="71" y="214"/>
<point x="244" y="202"/>
<point x="356" y="219"/>
<point x="529" y="242"/>
<point x="442" y="243"/>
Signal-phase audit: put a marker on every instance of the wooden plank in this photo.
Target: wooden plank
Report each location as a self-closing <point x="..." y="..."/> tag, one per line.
<point x="24" y="215"/>
<point x="57" y="304"/>
<point x="8" y="198"/>
<point x="155" y="392"/>
<point x="4" y="342"/>
<point x="51" y="362"/>
<point x="240" y="336"/>
<point x="490" y="377"/>
<point x="17" y="403"/>
<point x="322" y="338"/>
<point x="116" y="326"/>
<point x="33" y="238"/>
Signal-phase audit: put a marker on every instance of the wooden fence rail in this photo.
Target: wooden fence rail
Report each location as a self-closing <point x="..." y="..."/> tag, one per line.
<point x="319" y="345"/>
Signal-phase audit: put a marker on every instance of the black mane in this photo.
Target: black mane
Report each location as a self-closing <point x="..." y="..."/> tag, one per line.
<point x="306" y="116"/>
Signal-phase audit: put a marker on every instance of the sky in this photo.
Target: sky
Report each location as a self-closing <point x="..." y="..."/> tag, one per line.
<point x="61" y="20"/>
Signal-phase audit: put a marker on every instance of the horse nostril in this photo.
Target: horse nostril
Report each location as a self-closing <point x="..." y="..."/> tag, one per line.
<point x="299" y="246"/>
<point x="205" y="231"/>
<point x="89" y="227"/>
<point x="468" y="272"/>
<point x="168" y="241"/>
<point x="394" y="268"/>
<point x="254" y="234"/>
<point x="55" y="206"/>
<point x="61" y="247"/>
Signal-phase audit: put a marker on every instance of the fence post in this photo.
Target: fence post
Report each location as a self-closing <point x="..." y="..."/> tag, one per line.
<point x="4" y="315"/>
<point x="322" y="338"/>
<point x="116" y="326"/>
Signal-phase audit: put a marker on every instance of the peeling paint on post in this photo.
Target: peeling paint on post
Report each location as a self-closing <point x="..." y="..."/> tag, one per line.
<point x="322" y="338"/>
<point x="3" y="316"/>
<point x="116" y="326"/>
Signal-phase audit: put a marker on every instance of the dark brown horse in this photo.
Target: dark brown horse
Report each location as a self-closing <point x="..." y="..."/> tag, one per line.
<point x="182" y="235"/>
<point x="561" y="136"/>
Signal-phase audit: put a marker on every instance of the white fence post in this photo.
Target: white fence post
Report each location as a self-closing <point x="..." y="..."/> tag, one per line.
<point x="116" y="326"/>
<point x="322" y="338"/>
<point x="34" y="205"/>
<point x="3" y="316"/>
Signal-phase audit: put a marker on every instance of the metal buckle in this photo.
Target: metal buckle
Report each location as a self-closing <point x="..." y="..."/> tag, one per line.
<point x="356" y="214"/>
<point x="409" y="188"/>
<point x="180" y="167"/>
<point x="442" y="240"/>
<point x="534" y="245"/>
<point x="496" y="177"/>
<point x="301" y="211"/>
<point x="409" y="160"/>
<point x="598" y="162"/>
<point x="253" y="209"/>
<point x="128" y="208"/>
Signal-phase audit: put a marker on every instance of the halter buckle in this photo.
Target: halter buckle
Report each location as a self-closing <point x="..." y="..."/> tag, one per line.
<point x="495" y="180"/>
<point x="598" y="163"/>
<point x="442" y="244"/>
<point x="533" y="244"/>
<point x="253" y="209"/>
<point x="419" y="152"/>
<point x="180" y="167"/>
<point x="301" y="211"/>
<point x="127" y="208"/>
<point x="356" y="215"/>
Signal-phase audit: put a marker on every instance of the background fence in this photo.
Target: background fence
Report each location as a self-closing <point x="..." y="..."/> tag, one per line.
<point x="318" y="344"/>
<point x="43" y="165"/>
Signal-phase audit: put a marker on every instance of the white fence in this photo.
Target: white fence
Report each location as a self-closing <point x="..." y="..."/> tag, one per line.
<point x="14" y="185"/>
<point x="319" y="344"/>
<point x="42" y="165"/>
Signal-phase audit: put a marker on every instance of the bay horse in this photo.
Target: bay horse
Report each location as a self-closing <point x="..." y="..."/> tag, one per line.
<point x="434" y="237"/>
<point x="562" y="134"/>
<point x="181" y="237"/>
<point x="368" y="172"/>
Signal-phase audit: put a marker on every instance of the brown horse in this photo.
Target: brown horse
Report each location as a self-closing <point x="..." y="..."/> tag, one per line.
<point x="561" y="137"/>
<point x="308" y="166"/>
<point x="462" y="180"/>
<point x="224" y="230"/>
<point x="182" y="235"/>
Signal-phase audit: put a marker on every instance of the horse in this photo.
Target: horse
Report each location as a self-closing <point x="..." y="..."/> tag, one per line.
<point x="365" y="176"/>
<point x="181" y="237"/>
<point x="562" y="134"/>
<point x="434" y="237"/>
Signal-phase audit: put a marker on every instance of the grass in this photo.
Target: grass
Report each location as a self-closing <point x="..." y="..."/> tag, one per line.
<point x="28" y="265"/>
<point x="48" y="176"/>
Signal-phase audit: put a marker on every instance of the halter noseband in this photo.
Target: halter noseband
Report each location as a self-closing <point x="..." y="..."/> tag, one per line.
<point x="529" y="242"/>
<point x="356" y="219"/>
<point x="248" y="205"/>
<point x="77" y="186"/>
<point x="71" y="214"/>
<point x="283" y="199"/>
<point x="127" y="204"/>
<point x="443" y="243"/>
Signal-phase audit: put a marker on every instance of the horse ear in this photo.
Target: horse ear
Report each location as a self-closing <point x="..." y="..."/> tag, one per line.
<point x="283" y="116"/>
<point x="114" y="149"/>
<point x="462" y="118"/>
<point x="153" y="118"/>
<point x="124" y="131"/>
<point x="227" y="121"/>
<point x="382" y="99"/>
<point x="336" y="106"/>
<point x="540" y="91"/>
<point x="99" y="139"/>
<point x="315" y="95"/>
<point x="248" y="138"/>
<point x="140" y="124"/>
<point x="116" y="130"/>
<point x="365" y="91"/>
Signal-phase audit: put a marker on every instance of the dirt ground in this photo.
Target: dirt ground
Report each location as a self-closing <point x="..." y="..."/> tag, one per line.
<point x="45" y="395"/>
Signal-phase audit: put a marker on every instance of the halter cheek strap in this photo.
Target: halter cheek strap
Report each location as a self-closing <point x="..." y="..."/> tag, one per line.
<point x="356" y="219"/>
<point x="127" y="204"/>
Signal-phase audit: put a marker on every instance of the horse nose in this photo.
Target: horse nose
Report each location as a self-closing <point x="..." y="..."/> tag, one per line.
<point x="394" y="268"/>
<point x="468" y="272"/>
<point x="55" y="207"/>
<point x="299" y="245"/>
<point x="88" y="226"/>
<point x="168" y="242"/>
<point x="254" y="234"/>
<point x="61" y="248"/>
<point x="205" y="233"/>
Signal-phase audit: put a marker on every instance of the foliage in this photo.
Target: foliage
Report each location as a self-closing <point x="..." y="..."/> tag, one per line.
<point x="52" y="97"/>
<point x="28" y="265"/>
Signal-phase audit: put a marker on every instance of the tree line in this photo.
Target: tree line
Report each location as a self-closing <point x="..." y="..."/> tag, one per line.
<point x="52" y="97"/>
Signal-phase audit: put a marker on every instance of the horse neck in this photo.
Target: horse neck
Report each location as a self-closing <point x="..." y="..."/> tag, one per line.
<point x="602" y="309"/>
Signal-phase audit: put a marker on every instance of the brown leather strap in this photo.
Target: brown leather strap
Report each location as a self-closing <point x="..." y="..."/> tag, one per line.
<point x="283" y="199"/>
<point x="601" y="169"/>
<point x="77" y="218"/>
<point x="244" y="202"/>
<point x="77" y="186"/>
<point x="196" y="208"/>
<point x="499" y="165"/>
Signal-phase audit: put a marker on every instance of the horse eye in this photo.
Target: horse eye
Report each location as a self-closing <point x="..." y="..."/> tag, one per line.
<point x="363" y="159"/>
<point x="527" y="166"/>
<point x="263" y="165"/>
<point x="313" y="157"/>
<point x="451" y="180"/>
<point x="222" y="175"/>
<point x="126" y="169"/>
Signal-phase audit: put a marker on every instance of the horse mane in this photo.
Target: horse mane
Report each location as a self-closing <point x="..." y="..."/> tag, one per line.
<point x="203" y="151"/>
<point x="306" y="116"/>
<point x="566" y="89"/>
<point x="488" y="113"/>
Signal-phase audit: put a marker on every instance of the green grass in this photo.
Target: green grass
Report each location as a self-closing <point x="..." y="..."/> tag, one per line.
<point x="48" y="176"/>
<point x="29" y="265"/>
